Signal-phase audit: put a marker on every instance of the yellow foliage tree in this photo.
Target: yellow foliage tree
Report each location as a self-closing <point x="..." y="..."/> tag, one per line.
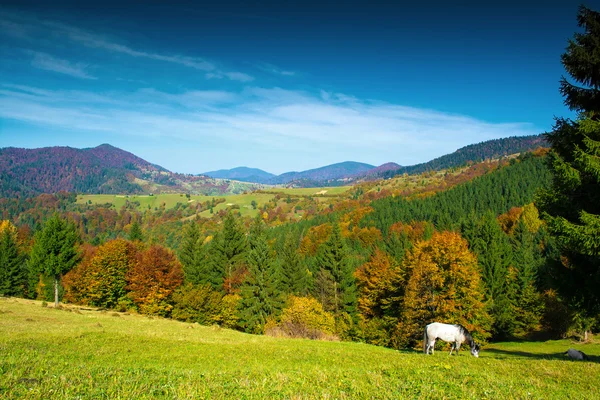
<point x="444" y="286"/>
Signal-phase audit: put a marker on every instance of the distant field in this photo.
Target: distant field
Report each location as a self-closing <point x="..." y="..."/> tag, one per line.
<point x="85" y="354"/>
<point x="119" y="201"/>
<point x="244" y="201"/>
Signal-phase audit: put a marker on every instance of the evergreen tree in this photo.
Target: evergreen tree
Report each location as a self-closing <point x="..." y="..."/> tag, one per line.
<point x="55" y="251"/>
<point x="335" y="285"/>
<point x="260" y="297"/>
<point x="295" y="273"/>
<point x="226" y="255"/>
<point x="136" y="232"/>
<point x="494" y="255"/>
<point x="572" y="206"/>
<point x="191" y="255"/>
<point x="13" y="273"/>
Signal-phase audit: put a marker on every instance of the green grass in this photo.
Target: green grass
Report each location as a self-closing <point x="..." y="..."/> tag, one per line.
<point x="119" y="201"/>
<point x="49" y="353"/>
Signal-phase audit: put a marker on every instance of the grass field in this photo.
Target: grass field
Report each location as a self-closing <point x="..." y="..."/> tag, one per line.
<point x="84" y="354"/>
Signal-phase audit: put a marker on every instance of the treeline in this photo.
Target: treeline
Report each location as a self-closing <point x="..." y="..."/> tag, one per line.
<point x="475" y="153"/>
<point x="375" y="272"/>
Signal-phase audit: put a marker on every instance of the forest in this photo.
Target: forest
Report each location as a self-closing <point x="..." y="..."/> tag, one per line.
<point x="508" y="248"/>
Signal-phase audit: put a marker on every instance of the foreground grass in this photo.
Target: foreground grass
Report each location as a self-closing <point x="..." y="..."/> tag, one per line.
<point x="49" y="353"/>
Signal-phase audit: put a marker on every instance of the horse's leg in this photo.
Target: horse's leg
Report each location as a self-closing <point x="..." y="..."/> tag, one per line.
<point x="457" y="347"/>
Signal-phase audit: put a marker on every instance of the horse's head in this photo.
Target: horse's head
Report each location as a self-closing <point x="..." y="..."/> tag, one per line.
<point x="475" y="349"/>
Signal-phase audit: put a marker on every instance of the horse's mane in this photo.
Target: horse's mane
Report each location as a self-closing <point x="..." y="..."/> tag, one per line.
<point x="466" y="334"/>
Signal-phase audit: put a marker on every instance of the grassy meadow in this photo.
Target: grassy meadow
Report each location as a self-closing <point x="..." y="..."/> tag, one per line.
<point x="79" y="353"/>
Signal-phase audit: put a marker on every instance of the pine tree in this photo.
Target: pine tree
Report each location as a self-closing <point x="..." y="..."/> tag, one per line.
<point x="260" y="297"/>
<point x="335" y="284"/>
<point x="295" y="272"/>
<point x="55" y="251"/>
<point x="136" y="232"/>
<point x="13" y="272"/>
<point x="191" y="254"/>
<point x="572" y="206"/>
<point x="494" y="255"/>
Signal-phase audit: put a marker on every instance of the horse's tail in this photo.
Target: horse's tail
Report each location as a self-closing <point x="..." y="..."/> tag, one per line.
<point x="425" y="340"/>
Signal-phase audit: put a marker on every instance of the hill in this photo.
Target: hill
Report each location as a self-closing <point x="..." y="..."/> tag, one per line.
<point x="243" y="174"/>
<point x="474" y="153"/>
<point x="99" y="354"/>
<point x="102" y="170"/>
<point x="323" y="174"/>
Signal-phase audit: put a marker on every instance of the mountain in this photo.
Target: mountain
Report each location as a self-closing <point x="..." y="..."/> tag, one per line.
<point x="324" y="174"/>
<point x="243" y="174"/>
<point x="104" y="170"/>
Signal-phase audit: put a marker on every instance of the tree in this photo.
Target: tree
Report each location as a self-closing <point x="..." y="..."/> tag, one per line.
<point x="13" y="272"/>
<point x="335" y="284"/>
<point x="55" y="251"/>
<point x="152" y="280"/>
<point x="136" y="232"/>
<point x="260" y="297"/>
<point x="227" y="255"/>
<point x="191" y="255"/>
<point x="572" y="206"/>
<point x="444" y="286"/>
<point x="295" y="271"/>
<point x="99" y="280"/>
<point x="494" y="254"/>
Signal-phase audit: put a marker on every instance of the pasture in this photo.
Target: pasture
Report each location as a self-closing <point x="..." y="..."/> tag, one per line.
<point x="89" y="354"/>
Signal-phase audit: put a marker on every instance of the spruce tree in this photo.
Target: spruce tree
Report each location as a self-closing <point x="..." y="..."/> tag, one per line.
<point x="295" y="272"/>
<point x="572" y="206"/>
<point x="260" y="297"/>
<point x="191" y="255"/>
<point x="494" y="256"/>
<point x="13" y="273"/>
<point x="335" y="285"/>
<point x="136" y="232"/>
<point x="55" y="251"/>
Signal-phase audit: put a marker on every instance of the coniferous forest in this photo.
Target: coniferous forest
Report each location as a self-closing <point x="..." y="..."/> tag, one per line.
<point x="508" y="248"/>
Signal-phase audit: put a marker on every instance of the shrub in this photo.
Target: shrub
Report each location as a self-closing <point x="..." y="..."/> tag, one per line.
<point x="304" y="317"/>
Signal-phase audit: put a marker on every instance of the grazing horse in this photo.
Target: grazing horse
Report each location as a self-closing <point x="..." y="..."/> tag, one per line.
<point x="455" y="334"/>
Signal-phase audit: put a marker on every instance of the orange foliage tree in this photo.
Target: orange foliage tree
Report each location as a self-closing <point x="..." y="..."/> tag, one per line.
<point x="100" y="279"/>
<point x="444" y="286"/>
<point x="152" y="280"/>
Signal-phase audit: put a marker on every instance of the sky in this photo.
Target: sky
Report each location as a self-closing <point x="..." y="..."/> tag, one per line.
<point x="196" y="86"/>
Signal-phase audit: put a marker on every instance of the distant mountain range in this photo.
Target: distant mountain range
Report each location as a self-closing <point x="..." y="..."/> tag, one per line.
<point x="107" y="169"/>
<point x="349" y="171"/>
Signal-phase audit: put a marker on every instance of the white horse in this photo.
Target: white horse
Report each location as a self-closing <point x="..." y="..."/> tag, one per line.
<point x="455" y="334"/>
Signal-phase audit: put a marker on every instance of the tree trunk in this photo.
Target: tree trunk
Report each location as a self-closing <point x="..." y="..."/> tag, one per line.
<point x="55" y="292"/>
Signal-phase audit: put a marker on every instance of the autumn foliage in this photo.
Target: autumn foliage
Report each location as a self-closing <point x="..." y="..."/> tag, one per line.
<point x="444" y="286"/>
<point x="152" y="279"/>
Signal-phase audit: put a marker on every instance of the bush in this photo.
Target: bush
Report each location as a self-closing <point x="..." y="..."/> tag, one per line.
<point x="304" y="317"/>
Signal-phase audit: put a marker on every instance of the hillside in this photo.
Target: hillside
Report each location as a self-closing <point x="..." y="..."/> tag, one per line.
<point x="474" y="153"/>
<point x="102" y="170"/>
<point x="243" y="174"/>
<point x="118" y="355"/>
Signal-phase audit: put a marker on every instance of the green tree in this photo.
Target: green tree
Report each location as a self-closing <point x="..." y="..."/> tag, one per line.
<point x="13" y="272"/>
<point x="191" y="255"/>
<point x="335" y="284"/>
<point x="571" y="206"/>
<point x="136" y="232"/>
<point x="228" y="255"/>
<point x="55" y="251"/>
<point x="494" y="255"/>
<point x="260" y="297"/>
<point x="296" y="274"/>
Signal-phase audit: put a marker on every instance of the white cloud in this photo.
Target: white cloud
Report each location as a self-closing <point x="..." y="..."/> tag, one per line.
<point x="272" y="69"/>
<point x="293" y="125"/>
<point x="50" y="63"/>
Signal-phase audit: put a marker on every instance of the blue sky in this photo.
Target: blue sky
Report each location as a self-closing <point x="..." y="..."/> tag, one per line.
<point x="281" y="86"/>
